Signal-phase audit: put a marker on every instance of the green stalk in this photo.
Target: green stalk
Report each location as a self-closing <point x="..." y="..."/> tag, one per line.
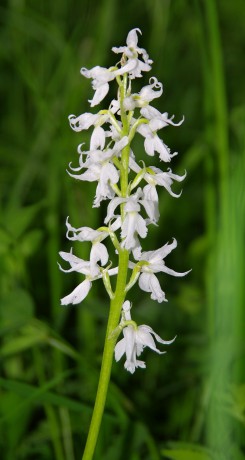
<point x="110" y="341"/>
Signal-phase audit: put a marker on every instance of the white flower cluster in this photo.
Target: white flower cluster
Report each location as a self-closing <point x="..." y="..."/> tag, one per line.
<point x="111" y="163"/>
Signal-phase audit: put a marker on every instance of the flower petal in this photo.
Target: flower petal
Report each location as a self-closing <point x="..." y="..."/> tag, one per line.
<point x="79" y="293"/>
<point x="148" y="282"/>
<point x="120" y="349"/>
<point x="99" y="94"/>
<point x="98" y="253"/>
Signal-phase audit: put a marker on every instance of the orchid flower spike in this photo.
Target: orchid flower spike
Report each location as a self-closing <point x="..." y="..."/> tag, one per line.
<point x="127" y="191"/>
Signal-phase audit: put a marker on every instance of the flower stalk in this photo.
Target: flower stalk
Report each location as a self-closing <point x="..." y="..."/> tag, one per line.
<point x="110" y="341"/>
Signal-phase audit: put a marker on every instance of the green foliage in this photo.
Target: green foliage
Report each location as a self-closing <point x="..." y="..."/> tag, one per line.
<point x="50" y="355"/>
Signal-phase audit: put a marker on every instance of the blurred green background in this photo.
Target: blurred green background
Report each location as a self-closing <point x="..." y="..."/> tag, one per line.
<point x="190" y="403"/>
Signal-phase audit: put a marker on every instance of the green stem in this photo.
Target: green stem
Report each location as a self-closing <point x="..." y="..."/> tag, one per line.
<point x="110" y="341"/>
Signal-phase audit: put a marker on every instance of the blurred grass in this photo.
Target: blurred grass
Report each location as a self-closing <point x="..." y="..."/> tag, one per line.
<point x="182" y="409"/>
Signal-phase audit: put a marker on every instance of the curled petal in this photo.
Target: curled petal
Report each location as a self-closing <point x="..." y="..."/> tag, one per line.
<point x="144" y="339"/>
<point x="132" y="38"/>
<point x="149" y="330"/>
<point x="98" y="253"/>
<point x="111" y="208"/>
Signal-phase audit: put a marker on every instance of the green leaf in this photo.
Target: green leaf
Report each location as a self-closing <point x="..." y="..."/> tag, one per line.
<point x="235" y="402"/>
<point x="41" y="395"/>
<point x="19" y="344"/>
<point x="181" y="451"/>
<point x="23" y="216"/>
<point x="30" y="242"/>
<point x="16" y="308"/>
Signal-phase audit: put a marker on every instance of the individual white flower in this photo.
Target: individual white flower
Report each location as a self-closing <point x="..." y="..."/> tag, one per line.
<point x="153" y="143"/>
<point x="146" y="95"/>
<point x="98" y="250"/>
<point x="157" y="119"/>
<point x="148" y="281"/>
<point x="90" y="269"/>
<point x="83" y="121"/>
<point x="133" y="66"/>
<point x="157" y="177"/>
<point x="102" y="170"/>
<point x="84" y="233"/>
<point x="86" y="120"/>
<point x="131" y="203"/>
<point x="100" y="82"/>
<point x="150" y="196"/>
<point x="164" y="179"/>
<point x="135" y="339"/>
<point x="134" y="224"/>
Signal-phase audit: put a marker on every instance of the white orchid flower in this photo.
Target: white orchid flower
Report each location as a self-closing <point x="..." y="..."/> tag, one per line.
<point x="84" y="233"/>
<point x="148" y="281"/>
<point x="83" y="121"/>
<point x="90" y="269"/>
<point x="146" y="95"/>
<point x="100" y="82"/>
<point x="101" y="169"/>
<point x="133" y="65"/>
<point x="154" y="144"/>
<point x="158" y="120"/>
<point x="134" y="224"/>
<point x="86" y="120"/>
<point x="157" y="177"/>
<point x="135" y="339"/>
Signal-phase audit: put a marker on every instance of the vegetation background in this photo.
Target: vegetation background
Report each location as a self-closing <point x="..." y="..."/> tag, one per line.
<point x="190" y="403"/>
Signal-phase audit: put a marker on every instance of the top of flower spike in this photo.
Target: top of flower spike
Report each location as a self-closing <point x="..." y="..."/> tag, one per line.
<point x="130" y="63"/>
<point x="133" y="66"/>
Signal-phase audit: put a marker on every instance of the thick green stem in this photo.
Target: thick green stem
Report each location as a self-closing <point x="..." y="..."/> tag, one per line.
<point x="113" y="320"/>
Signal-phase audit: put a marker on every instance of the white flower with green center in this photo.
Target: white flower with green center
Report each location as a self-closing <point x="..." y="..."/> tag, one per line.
<point x="133" y="225"/>
<point x="135" y="339"/>
<point x="155" y="176"/>
<point x="158" y="120"/>
<point x="146" y="95"/>
<point x="84" y="233"/>
<point x="154" y="263"/>
<point x="101" y="169"/>
<point x="90" y="269"/>
<point x="100" y="82"/>
<point x="84" y="121"/>
<point x="153" y="143"/>
<point x="133" y="65"/>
